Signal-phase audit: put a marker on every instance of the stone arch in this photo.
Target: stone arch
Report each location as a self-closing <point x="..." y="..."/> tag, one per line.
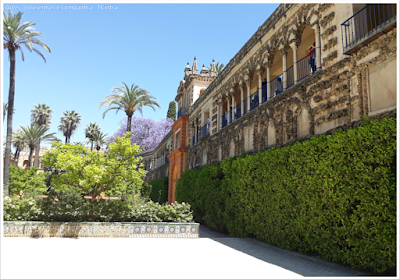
<point x="204" y="156"/>
<point x="231" y="148"/>
<point x="271" y="134"/>
<point x="303" y="124"/>
<point x="304" y="120"/>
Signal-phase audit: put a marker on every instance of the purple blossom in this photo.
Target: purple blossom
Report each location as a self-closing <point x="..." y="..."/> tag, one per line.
<point x="147" y="133"/>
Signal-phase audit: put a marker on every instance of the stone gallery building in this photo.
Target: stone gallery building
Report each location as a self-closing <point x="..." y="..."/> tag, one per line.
<point x="308" y="69"/>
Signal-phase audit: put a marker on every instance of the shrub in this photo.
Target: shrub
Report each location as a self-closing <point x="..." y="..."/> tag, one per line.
<point x="20" y="209"/>
<point x="334" y="195"/>
<point x="26" y="180"/>
<point x="159" y="190"/>
<point x="94" y="173"/>
<point x="72" y="207"/>
<point x="203" y="190"/>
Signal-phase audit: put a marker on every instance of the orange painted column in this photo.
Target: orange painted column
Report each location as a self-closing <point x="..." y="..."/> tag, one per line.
<point x="177" y="158"/>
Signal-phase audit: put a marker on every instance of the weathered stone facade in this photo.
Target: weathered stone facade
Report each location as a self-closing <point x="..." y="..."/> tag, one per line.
<point x="337" y="93"/>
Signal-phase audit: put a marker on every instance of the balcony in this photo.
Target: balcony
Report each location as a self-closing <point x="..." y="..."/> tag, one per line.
<point x="254" y="102"/>
<point x="277" y="85"/>
<point x="195" y="140"/>
<point x="264" y="92"/>
<point x="366" y="25"/>
<point x="237" y="111"/>
<point x="183" y="111"/>
<point x="204" y="132"/>
<point x="224" y="119"/>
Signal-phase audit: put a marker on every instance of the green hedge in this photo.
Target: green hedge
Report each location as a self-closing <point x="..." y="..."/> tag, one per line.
<point x="334" y="195"/>
<point x="159" y="190"/>
<point x="71" y="207"/>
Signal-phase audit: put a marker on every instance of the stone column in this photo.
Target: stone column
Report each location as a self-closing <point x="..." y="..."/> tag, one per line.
<point x="284" y="69"/>
<point x="317" y="46"/>
<point x="269" y="93"/>
<point x="233" y="107"/>
<point x="248" y="82"/>
<point x="227" y="110"/>
<point x="221" y="113"/>
<point x="259" y="73"/>
<point x="295" y="71"/>
<point x="241" y="98"/>
<point x="218" y="120"/>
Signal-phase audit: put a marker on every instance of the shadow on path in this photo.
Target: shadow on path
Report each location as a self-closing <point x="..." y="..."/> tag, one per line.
<point x="296" y="262"/>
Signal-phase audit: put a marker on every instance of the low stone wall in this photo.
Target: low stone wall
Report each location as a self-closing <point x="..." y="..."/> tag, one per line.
<point x="96" y="229"/>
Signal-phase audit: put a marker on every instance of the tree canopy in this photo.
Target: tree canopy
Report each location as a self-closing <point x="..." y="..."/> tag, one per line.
<point x="130" y="100"/>
<point x="25" y="180"/>
<point x="172" y="110"/>
<point x="93" y="173"/>
<point x="147" y="133"/>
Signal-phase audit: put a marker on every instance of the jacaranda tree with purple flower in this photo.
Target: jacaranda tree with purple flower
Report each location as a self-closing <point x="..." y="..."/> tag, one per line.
<point x="147" y="133"/>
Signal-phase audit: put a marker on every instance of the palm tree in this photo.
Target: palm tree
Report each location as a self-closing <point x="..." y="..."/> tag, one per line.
<point x="41" y="115"/>
<point x="33" y="134"/>
<point x="129" y="100"/>
<point x="16" y="35"/>
<point x="5" y="109"/>
<point x="100" y="139"/>
<point x="80" y="143"/>
<point x="89" y="131"/>
<point x="69" y="124"/>
<point x="19" y="143"/>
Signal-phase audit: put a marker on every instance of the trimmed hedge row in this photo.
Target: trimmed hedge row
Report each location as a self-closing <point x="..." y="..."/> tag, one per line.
<point x="334" y="195"/>
<point x="159" y="190"/>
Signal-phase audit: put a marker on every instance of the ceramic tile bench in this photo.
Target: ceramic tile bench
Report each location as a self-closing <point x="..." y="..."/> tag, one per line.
<point x="97" y="229"/>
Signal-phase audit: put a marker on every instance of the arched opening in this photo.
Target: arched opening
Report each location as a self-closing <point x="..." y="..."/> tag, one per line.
<point x="276" y="84"/>
<point x="303" y="128"/>
<point x="271" y="135"/>
<point x="307" y="63"/>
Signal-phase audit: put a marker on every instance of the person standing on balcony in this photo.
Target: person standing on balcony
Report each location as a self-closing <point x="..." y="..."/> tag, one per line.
<point x="311" y="55"/>
<point x="279" y="86"/>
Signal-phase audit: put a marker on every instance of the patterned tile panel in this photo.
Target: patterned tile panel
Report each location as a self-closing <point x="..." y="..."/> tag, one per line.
<point x="115" y="230"/>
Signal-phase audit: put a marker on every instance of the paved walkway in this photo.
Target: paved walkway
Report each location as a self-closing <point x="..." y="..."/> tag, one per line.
<point x="212" y="256"/>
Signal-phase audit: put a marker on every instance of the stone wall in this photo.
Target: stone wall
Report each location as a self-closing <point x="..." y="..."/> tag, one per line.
<point x="363" y="84"/>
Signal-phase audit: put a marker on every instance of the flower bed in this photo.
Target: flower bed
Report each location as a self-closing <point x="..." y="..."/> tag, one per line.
<point x="97" y="229"/>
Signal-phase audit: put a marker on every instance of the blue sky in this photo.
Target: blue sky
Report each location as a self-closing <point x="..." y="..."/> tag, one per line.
<point x="94" y="50"/>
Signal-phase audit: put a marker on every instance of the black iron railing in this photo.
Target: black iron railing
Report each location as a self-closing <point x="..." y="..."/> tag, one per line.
<point x="244" y="106"/>
<point x="304" y="67"/>
<point x="289" y="77"/>
<point x="277" y="85"/>
<point x="204" y="131"/>
<point x="195" y="140"/>
<point x="237" y="111"/>
<point x="254" y="102"/>
<point x="264" y="92"/>
<point x="224" y="120"/>
<point x="183" y="111"/>
<point x="370" y="21"/>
